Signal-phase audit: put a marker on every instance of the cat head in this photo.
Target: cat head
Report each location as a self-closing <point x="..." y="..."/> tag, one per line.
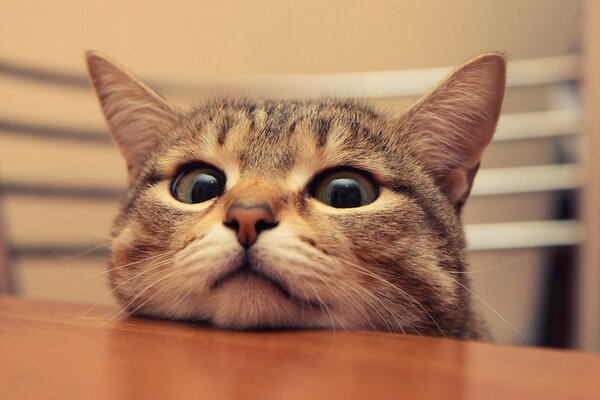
<point x="323" y="214"/>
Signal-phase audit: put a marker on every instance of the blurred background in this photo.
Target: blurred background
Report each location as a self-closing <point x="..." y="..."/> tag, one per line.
<point x="531" y="223"/>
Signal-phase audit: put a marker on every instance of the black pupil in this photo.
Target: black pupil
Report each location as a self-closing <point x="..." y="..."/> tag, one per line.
<point x="344" y="193"/>
<point x="205" y="188"/>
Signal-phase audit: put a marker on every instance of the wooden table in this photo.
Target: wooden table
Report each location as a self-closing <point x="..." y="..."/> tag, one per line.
<point x="52" y="350"/>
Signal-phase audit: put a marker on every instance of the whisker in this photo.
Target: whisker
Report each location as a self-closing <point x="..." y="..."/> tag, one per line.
<point x="342" y="290"/>
<point x="324" y="307"/>
<point x="399" y="290"/>
<point x="117" y="315"/>
<point x="154" y="266"/>
<point x="97" y="234"/>
<point x="477" y="271"/>
<point x="134" y="299"/>
<point x="363" y="293"/>
<point x="84" y="252"/>
<point x="108" y="270"/>
<point x="491" y="308"/>
<point x="175" y="271"/>
<point x="335" y="289"/>
<point x="149" y="268"/>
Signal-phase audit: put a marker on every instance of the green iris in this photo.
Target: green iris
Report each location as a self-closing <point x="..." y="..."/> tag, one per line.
<point x="198" y="184"/>
<point x="344" y="189"/>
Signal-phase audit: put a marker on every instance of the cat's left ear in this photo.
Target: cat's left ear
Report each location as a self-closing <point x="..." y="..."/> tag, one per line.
<point x="137" y="116"/>
<point x="450" y="127"/>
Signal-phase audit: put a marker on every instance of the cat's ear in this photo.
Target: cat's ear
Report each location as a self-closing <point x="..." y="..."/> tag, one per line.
<point x="137" y="116"/>
<point x="450" y="126"/>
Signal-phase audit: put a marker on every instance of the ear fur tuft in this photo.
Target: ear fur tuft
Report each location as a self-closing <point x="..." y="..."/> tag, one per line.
<point x="450" y="127"/>
<point x="136" y="114"/>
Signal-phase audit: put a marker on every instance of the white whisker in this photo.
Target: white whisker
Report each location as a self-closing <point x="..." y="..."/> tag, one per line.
<point x="161" y="291"/>
<point x="491" y="308"/>
<point x="87" y="251"/>
<point x="108" y="270"/>
<point x="149" y="268"/>
<point x="399" y="290"/>
<point x="477" y="271"/>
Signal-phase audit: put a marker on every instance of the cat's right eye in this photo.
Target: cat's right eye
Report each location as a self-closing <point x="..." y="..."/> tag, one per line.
<point x="198" y="184"/>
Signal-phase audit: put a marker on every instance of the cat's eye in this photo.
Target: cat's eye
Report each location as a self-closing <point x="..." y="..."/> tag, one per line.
<point x="344" y="188"/>
<point x="198" y="184"/>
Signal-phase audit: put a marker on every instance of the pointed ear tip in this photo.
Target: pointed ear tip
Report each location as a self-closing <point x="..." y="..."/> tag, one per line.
<point x="90" y="55"/>
<point x="494" y="60"/>
<point x="497" y="55"/>
<point x="93" y="58"/>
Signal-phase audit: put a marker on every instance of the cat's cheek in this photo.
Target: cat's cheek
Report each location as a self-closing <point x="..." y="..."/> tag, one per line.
<point x="342" y="230"/>
<point x="192" y="221"/>
<point x="119" y="245"/>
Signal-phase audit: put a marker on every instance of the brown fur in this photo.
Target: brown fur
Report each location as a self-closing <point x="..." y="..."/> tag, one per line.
<point x="394" y="264"/>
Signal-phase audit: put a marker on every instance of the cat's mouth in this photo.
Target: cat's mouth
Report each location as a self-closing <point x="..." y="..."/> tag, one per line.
<point x="247" y="269"/>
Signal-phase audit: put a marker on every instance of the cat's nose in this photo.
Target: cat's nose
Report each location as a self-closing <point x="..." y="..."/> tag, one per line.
<point x="249" y="221"/>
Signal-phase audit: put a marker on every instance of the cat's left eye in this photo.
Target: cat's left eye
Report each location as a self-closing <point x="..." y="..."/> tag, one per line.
<point x="198" y="184"/>
<point x="344" y="188"/>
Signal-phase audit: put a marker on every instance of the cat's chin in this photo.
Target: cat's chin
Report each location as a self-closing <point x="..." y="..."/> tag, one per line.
<point x="247" y="300"/>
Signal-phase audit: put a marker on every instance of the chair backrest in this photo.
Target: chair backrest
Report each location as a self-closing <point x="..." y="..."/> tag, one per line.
<point x="6" y="282"/>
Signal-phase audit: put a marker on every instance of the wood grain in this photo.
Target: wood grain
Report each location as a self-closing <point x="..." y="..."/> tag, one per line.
<point x="57" y="350"/>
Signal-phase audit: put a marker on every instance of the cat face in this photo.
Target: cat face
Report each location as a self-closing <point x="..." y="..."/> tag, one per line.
<point x="285" y="214"/>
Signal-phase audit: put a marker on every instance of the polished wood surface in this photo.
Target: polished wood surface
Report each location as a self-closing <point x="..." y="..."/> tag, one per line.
<point x="65" y="351"/>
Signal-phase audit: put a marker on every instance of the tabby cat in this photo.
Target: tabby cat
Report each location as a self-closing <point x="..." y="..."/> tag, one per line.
<point x="252" y="214"/>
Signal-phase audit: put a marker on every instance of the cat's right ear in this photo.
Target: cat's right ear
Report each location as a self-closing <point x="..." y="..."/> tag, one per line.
<point x="449" y="128"/>
<point x="137" y="116"/>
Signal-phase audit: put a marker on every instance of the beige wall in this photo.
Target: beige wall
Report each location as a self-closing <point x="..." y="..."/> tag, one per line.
<point x="183" y="39"/>
<point x="203" y="41"/>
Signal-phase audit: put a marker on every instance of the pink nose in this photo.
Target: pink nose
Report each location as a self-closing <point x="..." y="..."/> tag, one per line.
<point x="249" y="221"/>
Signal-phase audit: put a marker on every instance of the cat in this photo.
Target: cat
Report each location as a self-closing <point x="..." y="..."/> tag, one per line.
<point x="261" y="214"/>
